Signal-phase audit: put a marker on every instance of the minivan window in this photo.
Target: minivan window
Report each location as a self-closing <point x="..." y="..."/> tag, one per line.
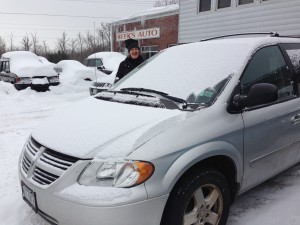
<point x="293" y="51"/>
<point x="268" y="66"/>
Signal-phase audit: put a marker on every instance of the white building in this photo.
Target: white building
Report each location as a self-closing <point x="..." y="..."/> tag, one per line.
<point x="200" y="19"/>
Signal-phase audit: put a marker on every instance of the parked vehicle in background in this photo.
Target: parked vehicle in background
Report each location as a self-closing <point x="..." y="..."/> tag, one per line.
<point x="175" y="141"/>
<point x="111" y="61"/>
<point x="74" y="71"/>
<point x="98" y="63"/>
<point x="24" y="69"/>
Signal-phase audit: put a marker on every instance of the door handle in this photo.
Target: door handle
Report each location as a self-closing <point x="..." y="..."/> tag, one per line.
<point x="295" y="119"/>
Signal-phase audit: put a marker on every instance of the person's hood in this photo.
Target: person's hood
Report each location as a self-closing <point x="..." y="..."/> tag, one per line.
<point x="108" y="129"/>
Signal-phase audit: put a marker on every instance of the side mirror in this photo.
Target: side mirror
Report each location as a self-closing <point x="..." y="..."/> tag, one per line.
<point x="259" y="94"/>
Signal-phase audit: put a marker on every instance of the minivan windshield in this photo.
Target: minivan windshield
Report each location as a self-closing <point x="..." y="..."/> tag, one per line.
<point x="190" y="71"/>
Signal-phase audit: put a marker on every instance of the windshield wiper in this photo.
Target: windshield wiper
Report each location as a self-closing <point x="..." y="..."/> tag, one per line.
<point x="160" y="93"/>
<point x="145" y="90"/>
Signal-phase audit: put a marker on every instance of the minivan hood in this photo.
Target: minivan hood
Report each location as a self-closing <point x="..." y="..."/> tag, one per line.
<point x="108" y="129"/>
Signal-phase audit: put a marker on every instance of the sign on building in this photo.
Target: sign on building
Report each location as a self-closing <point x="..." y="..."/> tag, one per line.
<point x="139" y="34"/>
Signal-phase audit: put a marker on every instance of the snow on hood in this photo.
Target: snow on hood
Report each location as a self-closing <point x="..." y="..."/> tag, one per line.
<point x="74" y="72"/>
<point x="27" y="64"/>
<point x="108" y="129"/>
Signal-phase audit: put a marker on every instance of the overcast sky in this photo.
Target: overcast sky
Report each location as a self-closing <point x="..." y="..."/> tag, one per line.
<point x="40" y="17"/>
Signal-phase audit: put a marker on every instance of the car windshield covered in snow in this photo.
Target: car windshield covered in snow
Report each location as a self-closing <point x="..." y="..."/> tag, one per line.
<point x="195" y="73"/>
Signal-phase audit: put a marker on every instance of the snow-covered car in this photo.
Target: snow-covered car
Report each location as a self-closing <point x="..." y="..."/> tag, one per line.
<point x="175" y="141"/>
<point x="73" y="71"/>
<point x="110" y="61"/>
<point x="24" y="69"/>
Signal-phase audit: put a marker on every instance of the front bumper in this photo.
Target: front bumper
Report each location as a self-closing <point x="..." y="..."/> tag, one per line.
<point x="59" y="203"/>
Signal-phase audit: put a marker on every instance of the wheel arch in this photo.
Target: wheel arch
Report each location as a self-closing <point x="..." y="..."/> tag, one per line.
<point x="221" y="156"/>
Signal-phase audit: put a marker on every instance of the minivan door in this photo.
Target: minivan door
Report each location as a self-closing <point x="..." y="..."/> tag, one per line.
<point x="268" y="128"/>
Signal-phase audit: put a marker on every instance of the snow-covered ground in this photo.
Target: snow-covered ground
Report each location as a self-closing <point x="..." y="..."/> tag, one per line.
<point x="276" y="202"/>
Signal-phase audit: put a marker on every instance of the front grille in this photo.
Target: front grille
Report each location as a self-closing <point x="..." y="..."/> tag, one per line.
<point x="44" y="166"/>
<point x="43" y="177"/>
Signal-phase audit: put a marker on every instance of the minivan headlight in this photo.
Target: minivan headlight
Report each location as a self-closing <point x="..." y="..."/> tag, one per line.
<point x="116" y="174"/>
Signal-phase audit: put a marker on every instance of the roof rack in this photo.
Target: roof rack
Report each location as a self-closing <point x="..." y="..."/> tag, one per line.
<point x="271" y="34"/>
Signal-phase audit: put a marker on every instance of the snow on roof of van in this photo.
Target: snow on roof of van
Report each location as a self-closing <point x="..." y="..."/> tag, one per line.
<point x="152" y="12"/>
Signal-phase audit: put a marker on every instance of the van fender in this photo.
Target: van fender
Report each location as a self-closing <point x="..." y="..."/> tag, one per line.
<point x="198" y="154"/>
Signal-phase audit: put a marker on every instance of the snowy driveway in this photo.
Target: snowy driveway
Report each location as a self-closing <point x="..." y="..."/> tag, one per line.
<point x="275" y="202"/>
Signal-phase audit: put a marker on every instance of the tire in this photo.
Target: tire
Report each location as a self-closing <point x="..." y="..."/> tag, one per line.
<point x="201" y="198"/>
<point x="18" y="87"/>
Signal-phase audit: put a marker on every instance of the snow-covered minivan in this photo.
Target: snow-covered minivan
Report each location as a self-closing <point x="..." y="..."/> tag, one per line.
<point x="175" y="141"/>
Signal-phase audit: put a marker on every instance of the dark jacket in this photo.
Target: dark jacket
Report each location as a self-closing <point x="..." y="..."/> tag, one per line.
<point x="127" y="65"/>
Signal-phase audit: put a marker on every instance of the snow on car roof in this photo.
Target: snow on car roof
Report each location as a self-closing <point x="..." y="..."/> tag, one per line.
<point x="74" y="72"/>
<point x="27" y="64"/>
<point x="190" y="68"/>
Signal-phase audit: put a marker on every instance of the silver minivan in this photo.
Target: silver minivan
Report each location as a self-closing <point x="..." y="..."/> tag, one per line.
<point x="175" y="141"/>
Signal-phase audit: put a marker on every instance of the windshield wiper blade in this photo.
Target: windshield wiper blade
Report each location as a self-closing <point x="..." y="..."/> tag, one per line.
<point x="163" y="94"/>
<point x="125" y="92"/>
<point x="145" y="90"/>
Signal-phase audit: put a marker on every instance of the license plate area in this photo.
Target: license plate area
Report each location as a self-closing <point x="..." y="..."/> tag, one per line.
<point x="39" y="81"/>
<point x="29" y="197"/>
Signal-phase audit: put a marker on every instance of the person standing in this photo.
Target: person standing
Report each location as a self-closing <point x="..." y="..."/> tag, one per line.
<point x="133" y="59"/>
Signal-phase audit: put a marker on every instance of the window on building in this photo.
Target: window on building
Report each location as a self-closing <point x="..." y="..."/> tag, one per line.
<point x="224" y="3"/>
<point x="149" y="51"/>
<point x="243" y="2"/>
<point x="204" y="5"/>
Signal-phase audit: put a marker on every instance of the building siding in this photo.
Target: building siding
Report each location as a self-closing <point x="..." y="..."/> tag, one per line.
<point x="273" y="15"/>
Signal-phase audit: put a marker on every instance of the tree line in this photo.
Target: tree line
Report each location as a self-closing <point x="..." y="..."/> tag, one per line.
<point x="77" y="48"/>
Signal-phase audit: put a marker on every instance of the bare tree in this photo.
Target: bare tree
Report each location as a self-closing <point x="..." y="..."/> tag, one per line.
<point x="26" y="43"/>
<point x="62" y="43"/>
<point x="160" y="3"/>
<point x="2" y="46"/>
<point x="106" y="29"/>
<point x="80" y="41"/>
<point x="45" y="48"/>
<point x="35" y="43"/>
<point x="90" y="41"/>
<point x="73" y="46"/>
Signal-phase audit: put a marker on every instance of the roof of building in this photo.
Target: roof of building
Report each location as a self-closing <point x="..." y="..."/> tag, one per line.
<point x="152" y="13"/>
